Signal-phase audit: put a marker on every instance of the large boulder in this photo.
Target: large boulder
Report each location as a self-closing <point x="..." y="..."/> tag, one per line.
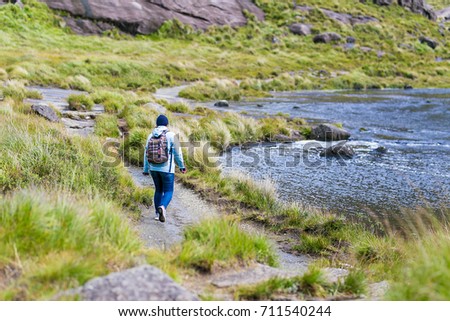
<point x="341" y="150"/>
<point x="444" y="14"/>
<point x="300" y="29"/>
<point x="45" y="111"/>
<point x="146" y="16"/>
<point x="327" y="37"/>
<point x="144" y="283"/>
<point x="327" y="132"/>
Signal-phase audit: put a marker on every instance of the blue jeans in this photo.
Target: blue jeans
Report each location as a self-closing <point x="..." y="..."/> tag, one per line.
<point x="163" y="188"/>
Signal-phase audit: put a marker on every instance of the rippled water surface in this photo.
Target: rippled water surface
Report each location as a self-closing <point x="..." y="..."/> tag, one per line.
<point x="412" y="125"/>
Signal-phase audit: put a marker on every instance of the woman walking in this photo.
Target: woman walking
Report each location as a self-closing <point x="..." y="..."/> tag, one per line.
<point x="162" y="151"/>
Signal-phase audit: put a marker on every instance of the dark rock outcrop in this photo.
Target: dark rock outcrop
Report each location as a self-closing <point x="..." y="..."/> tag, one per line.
<point x="144" y="283"/>
<point x="222" y="103"/>
<point x="327" y="132"/>
<point x="146" y="16"/>
<point x="338" y="150"/>
<point x="45" y="111"/>
<point x="429" y="42"/>
<point x="416" y="6"/>
<point x="300" y="29"/>
<point x="327" y="37"/>
<point x="351" y="40"/>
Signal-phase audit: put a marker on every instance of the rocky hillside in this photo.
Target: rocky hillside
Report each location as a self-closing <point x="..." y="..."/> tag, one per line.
<point x="282" y="45"/>
<point x="147" y="16"/>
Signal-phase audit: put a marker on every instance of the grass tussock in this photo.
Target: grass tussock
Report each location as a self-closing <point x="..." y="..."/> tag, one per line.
<point x="106" y="126"/>
<point x="222" y="242"/>
<point x="425" y="270"/>
<point x="52" y="243"/>
<point x="17" y="91"/>
<point x="218" y="89"/>
<point x="214" y="243"/>
<point x="178" y="107"/>
<point x="313" y="284"/>
<point x="80" y="102"/>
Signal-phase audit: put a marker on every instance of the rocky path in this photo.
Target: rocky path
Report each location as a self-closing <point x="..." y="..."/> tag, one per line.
<point x="186" y="208"/>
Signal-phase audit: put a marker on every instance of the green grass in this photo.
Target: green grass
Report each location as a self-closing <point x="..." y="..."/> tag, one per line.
<point x="17" y="91"/>
<point x="425" y="271"/>
<point x="178" y="107"/>
<point x="120" y="72"/>
<point x="54" y="240"/>
<point x="80" y="102"/>
<point x="218" y="89"/>
<point x="106" y="126"/>
<point x="221" y="242"/>
<point x="354" y="283"/>
<point x="40" y="153"/>
<point x="178" y="54"/>
<point x="311" y="284"/>
<point x="213" y="243"/>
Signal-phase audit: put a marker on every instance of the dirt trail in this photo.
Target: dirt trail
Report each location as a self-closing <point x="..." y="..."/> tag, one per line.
<point x="186" y="208"/>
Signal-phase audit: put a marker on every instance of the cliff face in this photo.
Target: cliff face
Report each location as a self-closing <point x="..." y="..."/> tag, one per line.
<point x="146" y="16"/>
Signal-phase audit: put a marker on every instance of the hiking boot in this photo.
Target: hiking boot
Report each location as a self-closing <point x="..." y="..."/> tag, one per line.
<point x="162" y="214"/>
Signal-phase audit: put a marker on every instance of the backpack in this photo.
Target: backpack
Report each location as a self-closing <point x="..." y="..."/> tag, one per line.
<point x="157" y="151"/>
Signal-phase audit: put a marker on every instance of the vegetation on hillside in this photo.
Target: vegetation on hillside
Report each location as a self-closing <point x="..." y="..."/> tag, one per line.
<point x="265" y="55"/>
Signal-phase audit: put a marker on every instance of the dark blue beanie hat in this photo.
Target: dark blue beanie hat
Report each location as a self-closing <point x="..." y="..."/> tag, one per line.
<point x="162" y="121"/>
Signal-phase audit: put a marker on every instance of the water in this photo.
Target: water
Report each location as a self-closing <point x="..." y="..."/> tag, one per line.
<point x="414" y="171"/>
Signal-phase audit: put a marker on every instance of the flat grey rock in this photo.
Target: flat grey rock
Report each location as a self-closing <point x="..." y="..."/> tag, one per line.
<point x="45" y="111"/>
<point x="252" y="275"/>
<point x="144" y="283"/>
<point x="377" y="291"/>
<point x="333" y="275"/>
